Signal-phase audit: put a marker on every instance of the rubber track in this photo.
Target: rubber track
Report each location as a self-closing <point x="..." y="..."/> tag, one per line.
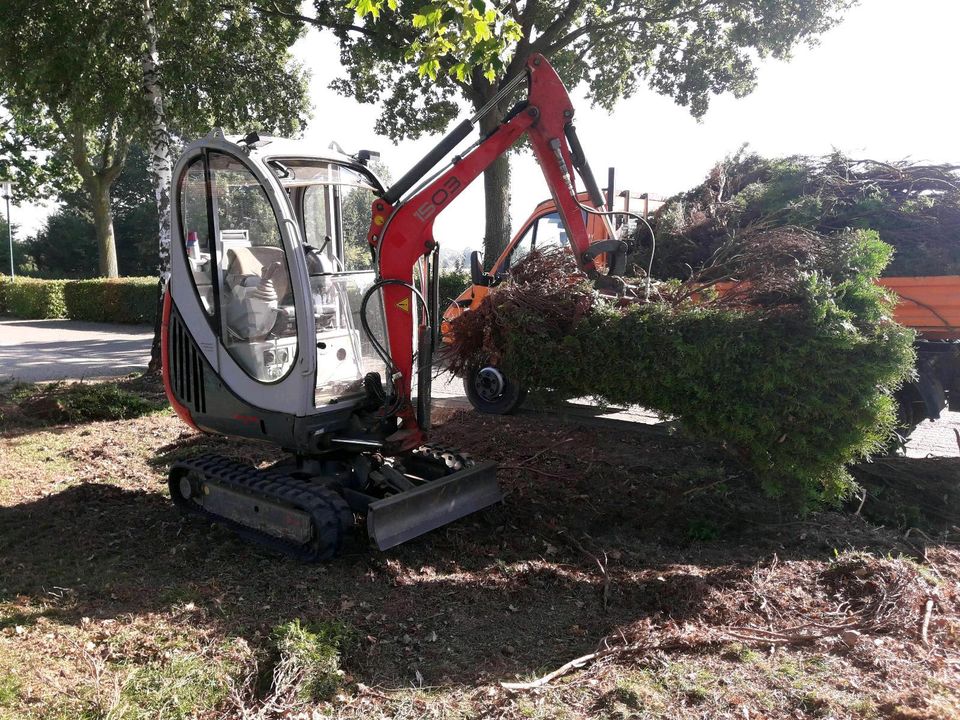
<point x="325" y="508"/>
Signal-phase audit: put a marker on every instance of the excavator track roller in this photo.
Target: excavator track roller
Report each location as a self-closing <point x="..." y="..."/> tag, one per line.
<point x="294" y="517"/>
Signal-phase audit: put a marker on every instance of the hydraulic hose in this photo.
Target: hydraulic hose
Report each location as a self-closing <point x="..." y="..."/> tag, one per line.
<point x="377" y="346"/>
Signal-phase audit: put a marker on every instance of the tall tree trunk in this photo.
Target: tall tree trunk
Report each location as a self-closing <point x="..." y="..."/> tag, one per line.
<point x="99" y="190"/>
<point x="496" y="187"/>
<point x="160" y="163"/>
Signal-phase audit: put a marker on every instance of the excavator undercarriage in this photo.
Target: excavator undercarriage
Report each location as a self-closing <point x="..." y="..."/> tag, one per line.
<point x="311" y="516"/>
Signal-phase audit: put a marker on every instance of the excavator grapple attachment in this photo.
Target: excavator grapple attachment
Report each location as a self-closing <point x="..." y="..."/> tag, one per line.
<point x="398" y="518"/>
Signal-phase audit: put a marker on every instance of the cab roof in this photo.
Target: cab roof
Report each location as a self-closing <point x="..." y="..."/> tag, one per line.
<point x="271" y="146"/>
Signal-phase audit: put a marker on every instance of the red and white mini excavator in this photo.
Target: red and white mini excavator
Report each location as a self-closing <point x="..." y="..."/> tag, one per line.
<point x="294" y="317"/>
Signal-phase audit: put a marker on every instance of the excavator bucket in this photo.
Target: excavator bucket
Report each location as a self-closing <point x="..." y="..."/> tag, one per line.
<point x="406" y="515"/>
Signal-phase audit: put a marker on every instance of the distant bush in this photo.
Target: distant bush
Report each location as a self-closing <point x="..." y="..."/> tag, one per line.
<point x="452" y="283"/>
<point x="119" y="300"/>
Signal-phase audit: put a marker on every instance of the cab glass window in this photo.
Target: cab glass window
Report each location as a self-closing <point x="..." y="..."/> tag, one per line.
<point x="522" y="247"/>
<point x="256" y="296"/>
<point x="333" y="207"/>
<point x="550" y="233"/>
<point x="334" y="202"/>
<point x="357" y="202"/>
<point x="195" y="231"/>
<point x="318" y="219"/>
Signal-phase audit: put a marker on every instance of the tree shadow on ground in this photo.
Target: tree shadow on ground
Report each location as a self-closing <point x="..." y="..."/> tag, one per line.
<point x="504" y="592"/>
<point x="922" y="494"/>
<point x="598" y="531"/>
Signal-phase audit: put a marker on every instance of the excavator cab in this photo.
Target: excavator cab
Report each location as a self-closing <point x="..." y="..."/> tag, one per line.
<point x="267" y="272"/>
<point x="269" y="333"/>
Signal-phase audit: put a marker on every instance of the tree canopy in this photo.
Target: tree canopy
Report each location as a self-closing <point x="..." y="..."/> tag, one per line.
<point x="686" y="49"/>
<point x="71" y="87"/>
<point x="66" y="245"/>
<point x="418" y="59"/>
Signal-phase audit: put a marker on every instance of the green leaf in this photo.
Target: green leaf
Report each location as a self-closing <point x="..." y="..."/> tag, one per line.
<point x="459" y="71"/>
<point x="367" y="7"/>
<point x="481" y="31"/>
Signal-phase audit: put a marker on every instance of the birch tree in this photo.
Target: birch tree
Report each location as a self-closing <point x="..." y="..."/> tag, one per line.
<point x="160" y="164"/>
<point x="160" y="161"/>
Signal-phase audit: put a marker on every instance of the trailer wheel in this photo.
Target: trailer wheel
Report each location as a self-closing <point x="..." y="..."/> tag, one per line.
<point x="911" y="411"/>
<point x="492" y="392"/>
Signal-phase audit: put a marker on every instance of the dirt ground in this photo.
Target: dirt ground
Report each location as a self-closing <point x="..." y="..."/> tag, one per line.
<point x="653" y="553"/>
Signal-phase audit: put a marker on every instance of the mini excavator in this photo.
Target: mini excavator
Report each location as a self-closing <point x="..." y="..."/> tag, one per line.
<point x="294" y="317"/>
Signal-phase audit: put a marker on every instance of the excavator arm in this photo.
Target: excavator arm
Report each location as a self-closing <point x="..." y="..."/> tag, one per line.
<point x="401" y="230"/>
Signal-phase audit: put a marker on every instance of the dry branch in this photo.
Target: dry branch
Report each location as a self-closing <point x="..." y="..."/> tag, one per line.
<point x="859" y="594"/>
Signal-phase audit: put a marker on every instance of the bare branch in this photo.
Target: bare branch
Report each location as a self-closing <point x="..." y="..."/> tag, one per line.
<point x="553" y="31"/>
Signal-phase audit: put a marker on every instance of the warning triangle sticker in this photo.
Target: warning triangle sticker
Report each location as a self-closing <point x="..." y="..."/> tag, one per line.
<point x="404" y="305"/>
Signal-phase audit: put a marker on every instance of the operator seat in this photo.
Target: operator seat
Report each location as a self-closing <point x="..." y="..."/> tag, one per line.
<point x="246" y="266"/>
<point x="320" y="268"/>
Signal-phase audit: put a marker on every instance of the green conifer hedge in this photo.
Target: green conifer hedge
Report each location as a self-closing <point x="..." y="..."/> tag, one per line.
<point x="793" y="373"/>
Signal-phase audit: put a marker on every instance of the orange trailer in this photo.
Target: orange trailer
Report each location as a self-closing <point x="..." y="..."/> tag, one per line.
<point x="929" y="305"/>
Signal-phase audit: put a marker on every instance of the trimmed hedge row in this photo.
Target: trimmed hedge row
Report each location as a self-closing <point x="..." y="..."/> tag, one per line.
<point x="119" y="300"/>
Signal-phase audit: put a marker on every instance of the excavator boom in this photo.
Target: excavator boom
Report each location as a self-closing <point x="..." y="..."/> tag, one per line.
<point x="401" y="231"/>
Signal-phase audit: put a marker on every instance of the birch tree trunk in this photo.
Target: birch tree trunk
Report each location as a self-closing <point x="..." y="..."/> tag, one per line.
<point x="159" y="162"/>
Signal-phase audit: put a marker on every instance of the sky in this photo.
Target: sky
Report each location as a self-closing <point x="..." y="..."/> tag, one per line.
<point x="877" y="86"/>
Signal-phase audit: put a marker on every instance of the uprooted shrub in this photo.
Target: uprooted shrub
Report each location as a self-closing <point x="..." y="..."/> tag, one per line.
<point x="792" y="369"/>
<point x="62" y="402"/>
<point x="915" y="208"/>
<point x="309" y="658"/>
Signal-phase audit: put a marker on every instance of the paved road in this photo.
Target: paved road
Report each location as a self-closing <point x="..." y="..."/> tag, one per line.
<point x="35" y="350"/>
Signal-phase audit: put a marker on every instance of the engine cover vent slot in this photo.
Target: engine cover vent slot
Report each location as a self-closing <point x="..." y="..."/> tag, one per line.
<point x="186" y="367"/>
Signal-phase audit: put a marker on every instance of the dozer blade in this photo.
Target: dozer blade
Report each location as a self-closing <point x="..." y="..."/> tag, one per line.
<point x="406" y="515"/>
